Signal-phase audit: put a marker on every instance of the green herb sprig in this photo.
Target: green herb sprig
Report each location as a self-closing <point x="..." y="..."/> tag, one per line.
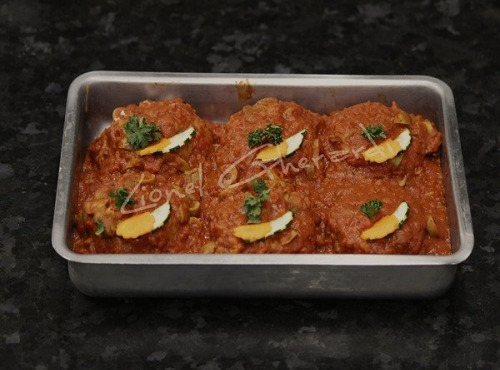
<point x="100" y="227"/>
<point x="141" y="133"/>
<point x="253" y="205"/>
<point x="371" y="208"/>
<point x="272" y="134"/>
<point x="373" y="132"/>
<point x="122" y="197"/>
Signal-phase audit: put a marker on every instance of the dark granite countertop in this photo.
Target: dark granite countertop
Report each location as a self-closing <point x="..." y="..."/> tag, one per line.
<point x="46" y="323"/>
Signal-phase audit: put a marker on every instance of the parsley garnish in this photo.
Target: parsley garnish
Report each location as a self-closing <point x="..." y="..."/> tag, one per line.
<point x="253" y="205"/>
<point x="374" y="132"/>
<point x="140" y="133"/>
<point x="252" y="209"/>
<point x="255" y="138"/>
<point x="260" y="187"/>
<point x="100" y="228"/>
<point x="121" y="197"/>
<point x="272" y="134"/>
<point x="371" y="208"/>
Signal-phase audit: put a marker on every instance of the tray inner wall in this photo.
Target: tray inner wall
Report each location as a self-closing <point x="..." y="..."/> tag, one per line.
<point x="217" y="101"/>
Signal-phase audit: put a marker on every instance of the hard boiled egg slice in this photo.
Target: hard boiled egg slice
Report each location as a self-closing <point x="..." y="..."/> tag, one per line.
<point x="254" y="232"/>
<point x="387" y="224"/>
<point x="388" y="149"/>
<point x="284" y="149"/>
<point x="169" y="145"/>
<point x="143" y="223"/>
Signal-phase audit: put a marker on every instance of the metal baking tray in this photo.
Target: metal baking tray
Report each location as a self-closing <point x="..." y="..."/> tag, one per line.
<point x="91" y="100"/>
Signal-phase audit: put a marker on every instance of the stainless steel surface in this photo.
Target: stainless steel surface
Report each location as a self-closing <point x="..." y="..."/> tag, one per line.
<point x="93" y="96"/>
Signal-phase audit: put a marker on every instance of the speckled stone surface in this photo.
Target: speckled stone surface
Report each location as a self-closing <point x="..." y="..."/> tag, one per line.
<point x="46" y="323"/>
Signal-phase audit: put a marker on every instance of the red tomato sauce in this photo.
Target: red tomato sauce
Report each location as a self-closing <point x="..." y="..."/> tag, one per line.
<point x="207" y="181"/>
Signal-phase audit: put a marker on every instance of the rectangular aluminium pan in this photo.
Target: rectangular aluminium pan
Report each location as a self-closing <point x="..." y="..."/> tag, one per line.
<point x="91" y="100"/>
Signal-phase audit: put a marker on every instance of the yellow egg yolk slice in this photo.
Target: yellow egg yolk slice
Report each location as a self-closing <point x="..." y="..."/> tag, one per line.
<point x="387" y="224"/>
<point x="136" y="226"/>
<point x="381" y="153"/>
<point x="251" y="233"/>
<point x="381" y="228"/>
<point x="274" y="152"/>
<point x="155" y="148"/>
<point x="388" y="149"/>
